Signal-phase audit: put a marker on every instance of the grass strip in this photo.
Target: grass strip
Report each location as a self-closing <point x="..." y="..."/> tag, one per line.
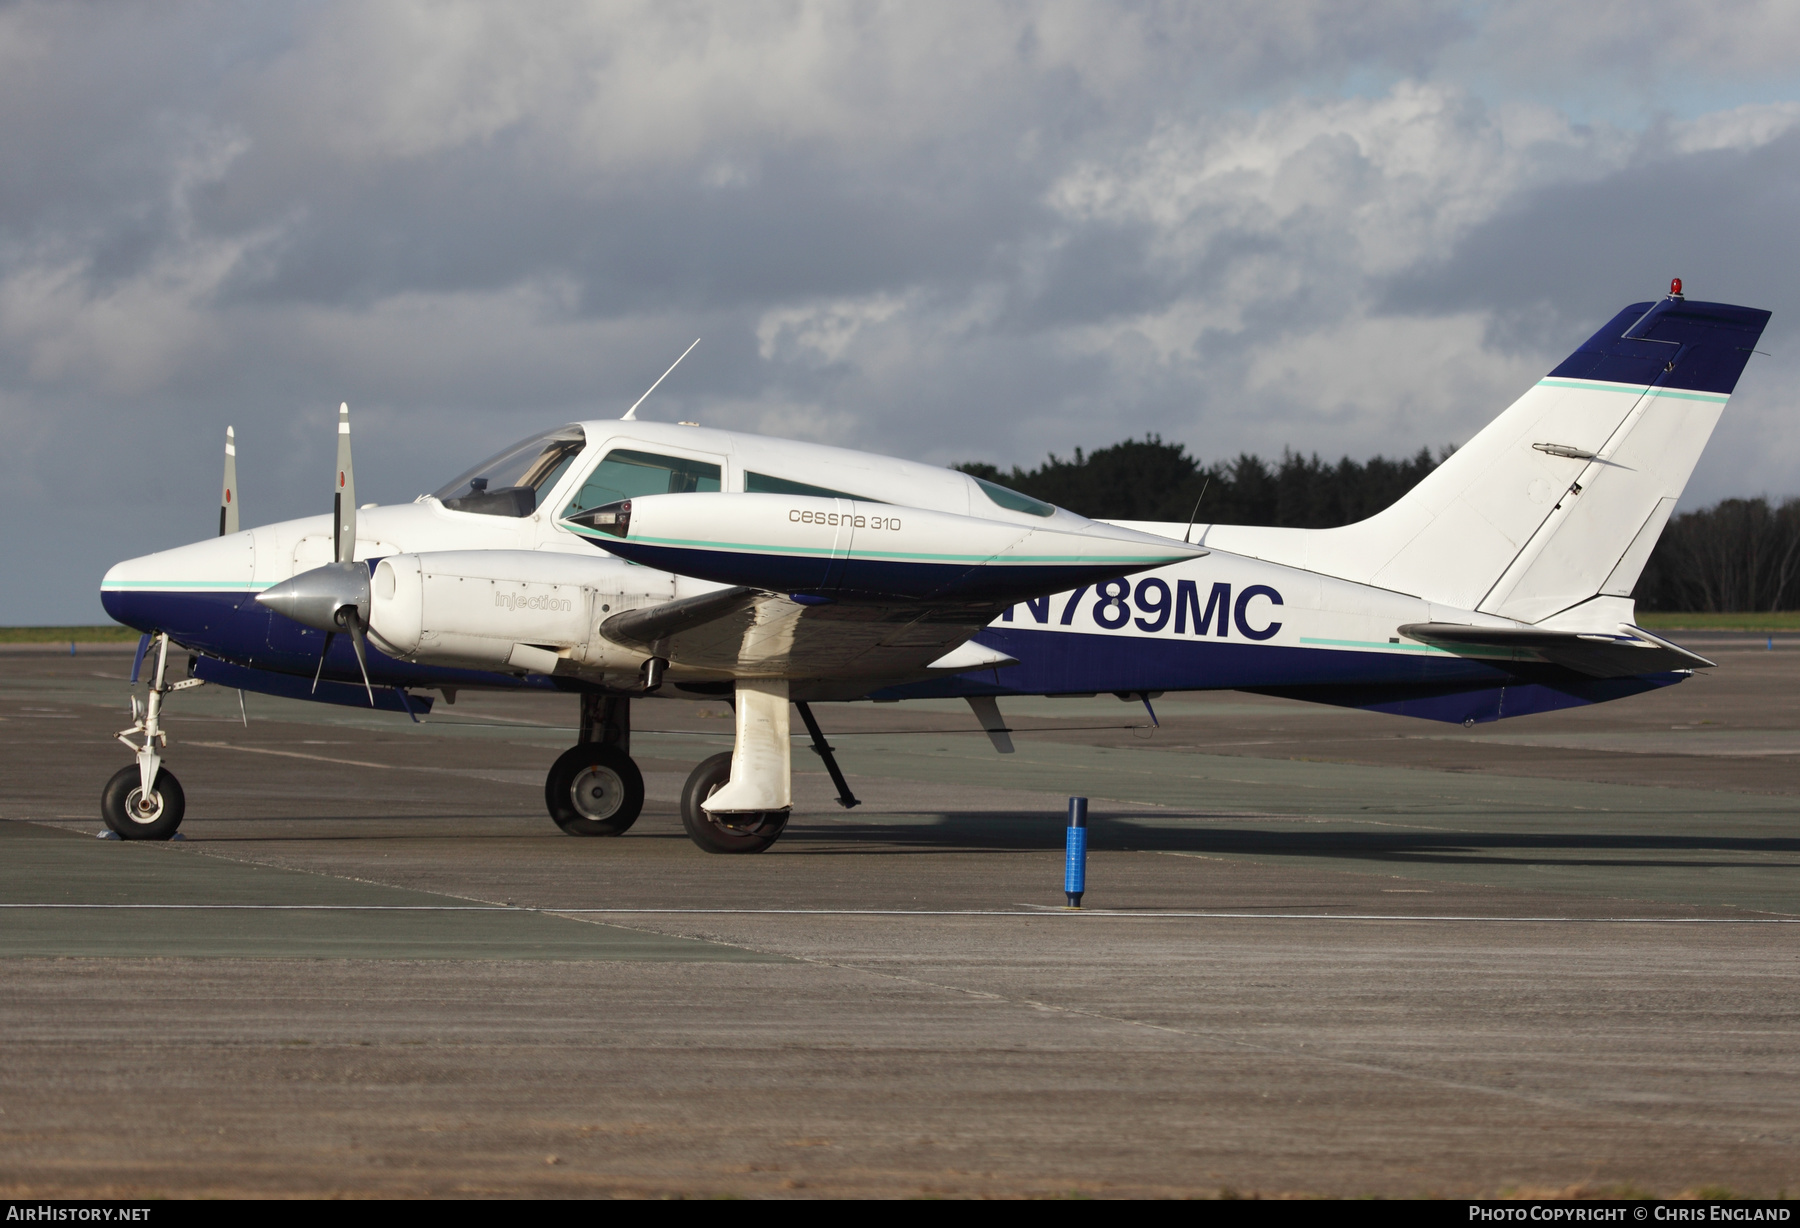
<point x="1780" y="620"/>
<point x="108" y="634"/>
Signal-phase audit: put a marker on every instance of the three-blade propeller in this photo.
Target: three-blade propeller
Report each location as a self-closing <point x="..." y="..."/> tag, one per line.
<point x="333" y="598"/>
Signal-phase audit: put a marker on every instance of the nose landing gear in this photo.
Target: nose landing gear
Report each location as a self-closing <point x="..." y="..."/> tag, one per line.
<point x="145" y="801"/>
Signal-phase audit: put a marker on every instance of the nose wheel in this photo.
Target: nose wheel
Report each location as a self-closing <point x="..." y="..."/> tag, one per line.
<point x="133" y="814"/>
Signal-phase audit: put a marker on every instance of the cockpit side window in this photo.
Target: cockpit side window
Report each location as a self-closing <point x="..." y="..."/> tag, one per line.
<point x="1013" y="501"/>
<point x="626" y="474"/>
<point x="510" y="483"/>
<point x="766" y="484"/>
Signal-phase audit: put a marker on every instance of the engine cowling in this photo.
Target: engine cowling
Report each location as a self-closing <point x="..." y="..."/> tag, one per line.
<point x="506" y="609"/>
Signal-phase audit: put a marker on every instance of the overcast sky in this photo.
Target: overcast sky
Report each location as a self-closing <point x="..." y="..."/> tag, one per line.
<point x="958" y="231"/>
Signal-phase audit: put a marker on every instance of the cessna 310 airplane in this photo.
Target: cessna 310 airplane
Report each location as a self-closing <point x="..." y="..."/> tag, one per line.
<point x="619" y="559"/>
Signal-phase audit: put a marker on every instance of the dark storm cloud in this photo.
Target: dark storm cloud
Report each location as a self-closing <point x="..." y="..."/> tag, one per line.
<point x="1565" y="258"/>
<point x="1724" y="218"/>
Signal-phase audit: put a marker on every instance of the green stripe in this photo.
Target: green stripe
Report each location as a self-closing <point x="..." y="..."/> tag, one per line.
<point x="214" y="585"/>
<point x="1712" y="398"/>
<point x="813" y="552"/>
<point x="1385" y="646"/>
<point x="1465" y="650"/>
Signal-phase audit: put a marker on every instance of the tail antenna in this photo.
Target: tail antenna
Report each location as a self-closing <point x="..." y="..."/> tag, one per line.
<point x="1194" y="515"/>
<point x="630" y="415"/>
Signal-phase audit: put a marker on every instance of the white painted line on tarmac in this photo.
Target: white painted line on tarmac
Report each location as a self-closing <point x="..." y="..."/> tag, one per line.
<point x="1028" y="910"/>
<point x="1044" y="910"/>
<point x="296" y="907"/>
<point x="294" y="754"/>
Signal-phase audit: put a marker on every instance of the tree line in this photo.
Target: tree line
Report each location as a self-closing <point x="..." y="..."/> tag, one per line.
<point x="1737" y="555"/>
<point x="1147" y="479"/>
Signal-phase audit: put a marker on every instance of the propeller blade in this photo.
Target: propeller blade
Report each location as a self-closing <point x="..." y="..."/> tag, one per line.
<point x="359" y="641"/>
<point x="323" y="653"/>
<point x="228" y="500"/>
<point x="343" y="497"/>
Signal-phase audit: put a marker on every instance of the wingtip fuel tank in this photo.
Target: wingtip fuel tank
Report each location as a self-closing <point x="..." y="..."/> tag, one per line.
<point x="848" y="549"/>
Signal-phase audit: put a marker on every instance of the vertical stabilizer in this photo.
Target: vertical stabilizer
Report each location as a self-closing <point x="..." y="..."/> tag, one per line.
<point x="1675" y="366"/>
<point x="1562" y="497"/>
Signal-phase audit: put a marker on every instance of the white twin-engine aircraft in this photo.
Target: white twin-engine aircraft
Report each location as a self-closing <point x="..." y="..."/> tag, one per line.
<point x="620" y="559"/>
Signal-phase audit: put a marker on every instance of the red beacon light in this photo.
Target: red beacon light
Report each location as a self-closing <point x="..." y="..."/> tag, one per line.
<point x="1675" y="287"/>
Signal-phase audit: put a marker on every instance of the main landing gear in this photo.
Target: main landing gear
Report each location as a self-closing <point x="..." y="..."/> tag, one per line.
<point x="145" y="801"/>
<point x="746" y="831"/>
<point x="594" y="789"/>
<point x="734" y="802"/>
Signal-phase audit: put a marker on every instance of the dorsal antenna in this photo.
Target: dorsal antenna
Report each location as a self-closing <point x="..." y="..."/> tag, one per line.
<point x="631" y="414"/>
<point x="1194" y="515"/>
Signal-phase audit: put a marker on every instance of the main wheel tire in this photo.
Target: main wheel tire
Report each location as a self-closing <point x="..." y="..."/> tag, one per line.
<point x="725" y="833"/>
<point x="131" y="816"/>
<point x="594" y="790"/>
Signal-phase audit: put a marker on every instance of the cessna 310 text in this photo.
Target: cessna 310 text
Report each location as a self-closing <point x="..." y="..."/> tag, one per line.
<point x="620" y="559"/>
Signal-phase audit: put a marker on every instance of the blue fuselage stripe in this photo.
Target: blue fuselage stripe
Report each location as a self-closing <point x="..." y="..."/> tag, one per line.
<point x="235" y="628"/>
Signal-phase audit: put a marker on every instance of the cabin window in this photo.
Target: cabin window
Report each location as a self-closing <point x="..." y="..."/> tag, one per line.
<point x="1013" y="501"/>
<point x="626" y="474"/>
<point x="509" y="484"/>
<point x="765" y="484"/>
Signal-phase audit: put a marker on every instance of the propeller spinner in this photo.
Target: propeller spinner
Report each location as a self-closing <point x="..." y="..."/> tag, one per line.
<point x="333" y="598"/>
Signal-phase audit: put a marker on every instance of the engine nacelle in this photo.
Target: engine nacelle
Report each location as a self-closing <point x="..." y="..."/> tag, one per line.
<point x="506" y="609"/>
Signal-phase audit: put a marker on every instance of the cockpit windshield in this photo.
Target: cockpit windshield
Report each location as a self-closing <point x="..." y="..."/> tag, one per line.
<point x="509" y="484"/>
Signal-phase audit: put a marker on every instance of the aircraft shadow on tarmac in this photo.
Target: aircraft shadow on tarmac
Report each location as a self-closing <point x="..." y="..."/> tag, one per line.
<point x="1008" y="831"/>
<point x="1003" y="831"/>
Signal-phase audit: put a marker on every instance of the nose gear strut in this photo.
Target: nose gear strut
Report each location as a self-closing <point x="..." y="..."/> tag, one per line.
<point x="154" y="809"/>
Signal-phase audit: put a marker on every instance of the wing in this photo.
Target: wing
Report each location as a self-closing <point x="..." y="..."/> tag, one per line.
<point x="825" y="647"/>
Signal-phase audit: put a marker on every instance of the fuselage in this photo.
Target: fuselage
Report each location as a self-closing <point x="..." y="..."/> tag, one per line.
<point x="1222" y="621"/>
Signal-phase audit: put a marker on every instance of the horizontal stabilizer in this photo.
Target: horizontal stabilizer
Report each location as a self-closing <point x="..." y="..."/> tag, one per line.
<point x="1590" y="653"/>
